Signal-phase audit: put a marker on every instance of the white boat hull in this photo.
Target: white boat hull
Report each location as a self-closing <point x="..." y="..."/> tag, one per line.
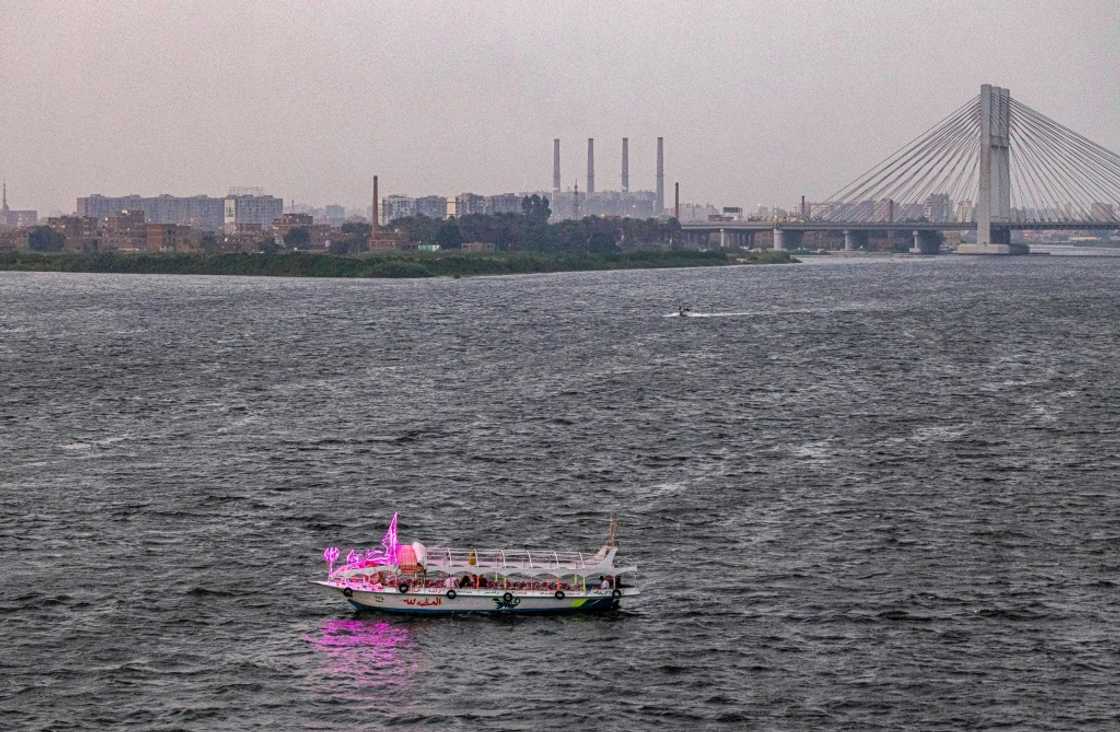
<point x="430" y="601"/>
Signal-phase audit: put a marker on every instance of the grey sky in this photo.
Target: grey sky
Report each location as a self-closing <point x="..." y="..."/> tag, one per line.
<point x="758" y="102"/>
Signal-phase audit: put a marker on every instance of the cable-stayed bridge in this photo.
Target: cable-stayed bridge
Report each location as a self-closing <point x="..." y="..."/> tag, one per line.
<point x="992" y="165"/>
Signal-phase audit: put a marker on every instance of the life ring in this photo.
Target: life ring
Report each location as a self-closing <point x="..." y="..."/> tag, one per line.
<point x="403" y="587"/>
<point x="507" y="597"/>
<point x="347" y="592"/>
<point x="559" y="595"/>
<point x="451" y="594"/>
<point x="616" y="594"/>
<point x="615" y="604"/>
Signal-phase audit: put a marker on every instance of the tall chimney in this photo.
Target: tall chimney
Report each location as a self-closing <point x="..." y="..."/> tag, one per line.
<point x="590" y="165"/>
<point x="677" y="200"/>
<point x="625" y="164"/>
<point x="556" y="165"/>
<point x="375" y="218"/>
<point x="660" y="176"/>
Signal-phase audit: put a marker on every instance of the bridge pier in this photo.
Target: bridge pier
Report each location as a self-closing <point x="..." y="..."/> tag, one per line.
<point x="786" y="237"/>
<point x="853" y="240"/>
<point x="926" y="242"/>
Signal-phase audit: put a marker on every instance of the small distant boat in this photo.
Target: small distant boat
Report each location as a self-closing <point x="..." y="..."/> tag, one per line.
<point x="416" y="579"/>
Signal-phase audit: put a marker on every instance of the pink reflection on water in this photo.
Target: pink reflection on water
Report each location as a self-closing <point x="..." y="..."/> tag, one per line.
<point x="367" y="652"/>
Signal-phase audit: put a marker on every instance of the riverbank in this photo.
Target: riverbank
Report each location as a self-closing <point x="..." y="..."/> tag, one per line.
<point x="404" y="264"/>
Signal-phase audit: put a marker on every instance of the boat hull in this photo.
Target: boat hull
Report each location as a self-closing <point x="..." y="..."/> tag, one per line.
<point x="430" y="602"/>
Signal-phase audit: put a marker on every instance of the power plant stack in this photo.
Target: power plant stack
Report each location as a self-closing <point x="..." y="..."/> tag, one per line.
<point x="375" y="218"/>
<point x="590" y="165"/>
<point x="626" y="165"/>
<point x="660" y="175"/>
<point x="623" y="201"/>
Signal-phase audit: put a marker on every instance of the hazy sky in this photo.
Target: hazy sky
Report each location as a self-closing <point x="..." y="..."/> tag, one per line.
<point x="759" y="102"/>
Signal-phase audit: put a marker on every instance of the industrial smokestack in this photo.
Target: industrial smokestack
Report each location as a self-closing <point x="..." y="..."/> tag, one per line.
<point x="376" y="218"/>
<point x="590" y="165"/>
<point x="625" y="164"/>
<point x="677" y="200"/>
<point x="660" y="175"/>
<point x="556" y="165"/>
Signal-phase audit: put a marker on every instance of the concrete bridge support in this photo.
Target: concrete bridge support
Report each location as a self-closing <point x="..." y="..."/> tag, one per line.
<point x="926" y="242"/>
<point x="785" y="238"/>
<point x="993" y="200"/>
<point x="734" y="239"/>
<point x="853" y="240"/>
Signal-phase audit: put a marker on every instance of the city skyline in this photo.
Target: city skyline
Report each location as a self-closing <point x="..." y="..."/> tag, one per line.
<point x="760" y="103"/>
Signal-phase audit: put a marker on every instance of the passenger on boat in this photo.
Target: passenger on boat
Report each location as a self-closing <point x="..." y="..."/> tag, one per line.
<point x="465" y="581"/>
<point x="449" y="583"/>
<point x="604" y="583"/>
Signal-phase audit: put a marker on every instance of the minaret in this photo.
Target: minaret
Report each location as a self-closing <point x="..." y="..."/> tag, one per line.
<point x="5" y="217"/>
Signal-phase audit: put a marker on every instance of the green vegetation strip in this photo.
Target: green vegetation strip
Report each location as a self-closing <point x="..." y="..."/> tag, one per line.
<point x="436" y="264"/>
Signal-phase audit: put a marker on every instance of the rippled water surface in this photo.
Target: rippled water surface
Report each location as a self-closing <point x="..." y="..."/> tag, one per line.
<point x="867" y="495"/>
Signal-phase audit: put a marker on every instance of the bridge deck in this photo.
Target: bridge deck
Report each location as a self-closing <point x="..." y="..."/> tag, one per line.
<point x="715" y="226"/>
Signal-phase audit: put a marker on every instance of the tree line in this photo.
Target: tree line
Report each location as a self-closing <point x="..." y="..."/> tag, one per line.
<point x="530" y="231"/>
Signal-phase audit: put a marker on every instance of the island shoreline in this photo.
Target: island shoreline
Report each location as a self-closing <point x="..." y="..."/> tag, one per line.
<point x="392" y="266"/>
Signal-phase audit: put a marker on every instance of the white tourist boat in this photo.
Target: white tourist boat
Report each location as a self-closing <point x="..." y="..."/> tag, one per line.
<point x="415" y="579"/>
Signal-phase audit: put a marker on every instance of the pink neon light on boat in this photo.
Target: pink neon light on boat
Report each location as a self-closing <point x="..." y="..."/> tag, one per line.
<point x="388" y="553"/>
<point x="330" y="555"/>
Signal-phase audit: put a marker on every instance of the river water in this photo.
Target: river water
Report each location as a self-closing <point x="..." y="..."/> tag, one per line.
<point x="863" y="495"/>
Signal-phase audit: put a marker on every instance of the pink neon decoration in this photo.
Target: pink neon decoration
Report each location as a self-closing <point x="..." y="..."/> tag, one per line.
<point x="330" y="555"/>
<point x="390" y="549"/>
<point x="388" y="553"/>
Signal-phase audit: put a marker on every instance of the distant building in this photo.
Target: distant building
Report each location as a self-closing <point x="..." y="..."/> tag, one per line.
<point x="469" y="203"/>
<point x="397" y="207"/>
<point x="284" y="224"/>
<point x="478" y="246"/>
<point x="938" y="208"/>
<point x="201" y="212"/>
<point x="262" y="210"/>
<point x="504" y="203"/>
<point x="334" y="215"/>
<point x="80" y="233"/>
<point x="434" y="207"/>
<point x="12" y="240"/>
<point x="1103" y="212"/>
<point x="125" y="231"/>
<point x="172" y="238"/>
<point x="625" y="204"/>
<point x="966" y="211"/>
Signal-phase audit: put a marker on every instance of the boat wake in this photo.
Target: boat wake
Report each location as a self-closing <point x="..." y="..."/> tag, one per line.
<point x="716" y="315"/>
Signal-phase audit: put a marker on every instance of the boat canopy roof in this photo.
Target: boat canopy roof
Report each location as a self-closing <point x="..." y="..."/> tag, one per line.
<point x="522" y="562"/>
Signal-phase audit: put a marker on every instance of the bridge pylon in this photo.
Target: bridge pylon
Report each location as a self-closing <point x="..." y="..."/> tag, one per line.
<point x="993" y="199"/>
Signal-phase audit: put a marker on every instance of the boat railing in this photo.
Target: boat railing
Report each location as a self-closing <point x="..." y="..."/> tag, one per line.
<point x="498" y="559"/>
